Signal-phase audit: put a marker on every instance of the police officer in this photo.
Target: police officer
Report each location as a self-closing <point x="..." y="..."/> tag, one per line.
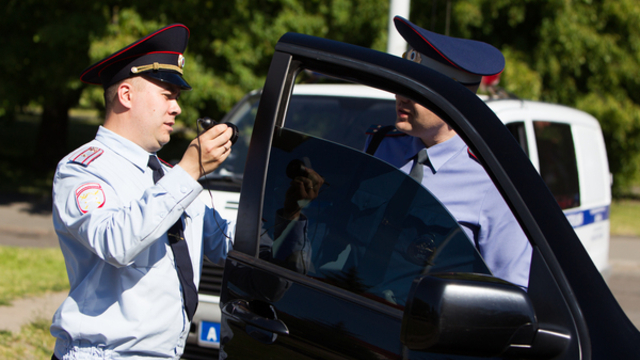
<point x="426" y="147"/>
<point x="132" y="234"/>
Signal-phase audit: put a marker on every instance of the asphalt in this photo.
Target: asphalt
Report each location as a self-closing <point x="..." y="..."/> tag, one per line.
<point x="26" y="222"/>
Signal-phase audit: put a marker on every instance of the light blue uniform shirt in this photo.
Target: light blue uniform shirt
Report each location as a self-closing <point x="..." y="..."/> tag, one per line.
<point x="125" y="299"/>
<point x="462" y="185"/>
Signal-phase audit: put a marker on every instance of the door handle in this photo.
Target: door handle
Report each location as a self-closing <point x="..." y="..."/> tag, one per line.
<point x="239" y="310"/>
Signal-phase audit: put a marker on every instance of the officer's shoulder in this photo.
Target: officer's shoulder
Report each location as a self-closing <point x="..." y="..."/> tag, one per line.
<point x="165" y="163"/>
<point x="472" y="156"/>
<point x="386" y="131"/>
<point x="85" y="155"/>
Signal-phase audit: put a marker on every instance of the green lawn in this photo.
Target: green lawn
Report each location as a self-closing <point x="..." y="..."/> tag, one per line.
<point x="30" y="272"/>
<point x="625" y="218"/>
<point x="33" y="342"/>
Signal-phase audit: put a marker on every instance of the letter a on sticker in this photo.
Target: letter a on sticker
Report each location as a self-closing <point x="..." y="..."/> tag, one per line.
<point x="90" y="196"/>
<point x="212" y="335"/>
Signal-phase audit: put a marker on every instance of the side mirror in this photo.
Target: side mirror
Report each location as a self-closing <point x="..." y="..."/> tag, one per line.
<point x="479" y="315"/>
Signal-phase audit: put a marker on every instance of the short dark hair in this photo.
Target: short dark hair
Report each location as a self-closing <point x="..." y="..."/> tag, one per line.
<point x="110" y="94"/>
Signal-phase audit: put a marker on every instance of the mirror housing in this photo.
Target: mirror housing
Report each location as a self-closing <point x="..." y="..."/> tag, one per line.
<point x="473" y="314"/>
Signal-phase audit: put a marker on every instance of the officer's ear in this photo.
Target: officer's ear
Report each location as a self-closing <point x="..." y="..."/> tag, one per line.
<point x="125" y="93"/>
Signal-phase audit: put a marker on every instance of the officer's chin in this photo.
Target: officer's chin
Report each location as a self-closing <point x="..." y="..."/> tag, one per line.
<point x="404" y="125"/>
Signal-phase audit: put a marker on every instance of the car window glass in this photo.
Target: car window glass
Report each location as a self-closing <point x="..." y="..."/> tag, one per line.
<point x="517" y="129"/>
<point x="344" y="120"/>
<point x="371" y="230"/>
<point x="558" y="166"/>
<point x="339" y="118"/>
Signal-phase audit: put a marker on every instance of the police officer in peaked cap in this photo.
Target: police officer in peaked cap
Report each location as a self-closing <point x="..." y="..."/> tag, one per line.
<point x="427" y="148"/>
<point x="132" y="234"/>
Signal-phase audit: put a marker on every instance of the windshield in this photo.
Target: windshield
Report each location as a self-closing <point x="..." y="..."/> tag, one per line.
<point x="316" y="115"/>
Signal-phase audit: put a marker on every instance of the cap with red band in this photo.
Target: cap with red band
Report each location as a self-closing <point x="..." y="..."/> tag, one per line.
<point x="158" y="55"/>
<point x="463" y="60"/>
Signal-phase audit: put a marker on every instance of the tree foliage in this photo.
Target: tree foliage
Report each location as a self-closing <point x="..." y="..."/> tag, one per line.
<point x="581" y="53"/>
<point x="43" y="51"/>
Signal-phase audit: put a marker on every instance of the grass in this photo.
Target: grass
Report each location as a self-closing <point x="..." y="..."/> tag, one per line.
<point x="625" y="217"/>
<point x="30" y="272"/>
<point x="33" y="342"/>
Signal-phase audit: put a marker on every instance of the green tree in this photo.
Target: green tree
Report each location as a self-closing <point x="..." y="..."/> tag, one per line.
<point x="43" y="52"/>
<point x="232" y="42"/>
<point x="581" y="53"/>
<point x="228" y="54"/>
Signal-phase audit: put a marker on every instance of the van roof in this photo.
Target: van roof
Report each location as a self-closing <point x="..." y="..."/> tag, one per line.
<point x="542" y="111"/>
<point x="342" y="90"/>
<point x="537" y="110"/>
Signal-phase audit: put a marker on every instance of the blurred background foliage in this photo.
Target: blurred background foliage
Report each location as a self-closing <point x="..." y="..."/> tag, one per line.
<point x="581" y="53"/>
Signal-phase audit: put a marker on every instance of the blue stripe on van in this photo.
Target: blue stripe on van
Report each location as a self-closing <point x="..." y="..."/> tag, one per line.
<point x="589" y="216"/>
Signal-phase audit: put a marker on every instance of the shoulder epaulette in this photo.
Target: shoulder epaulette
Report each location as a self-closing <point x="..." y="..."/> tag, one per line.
<point x="379" y="132"/>
<point x="389" y="130"/>
<point x="472" y="155"/>
<point x="86" y="155"/>
<point x="166" y="163"/>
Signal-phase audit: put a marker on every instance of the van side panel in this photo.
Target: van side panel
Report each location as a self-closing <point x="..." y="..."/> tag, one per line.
<point x="592" y="223"/>
<point x="592" y="160"/>
<point x="590" y="219"/>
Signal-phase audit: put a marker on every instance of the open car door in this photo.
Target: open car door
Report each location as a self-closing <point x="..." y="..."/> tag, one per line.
<point x="376" y="267"/>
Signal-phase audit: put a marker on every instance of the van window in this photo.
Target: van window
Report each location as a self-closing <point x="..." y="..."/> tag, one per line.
<point x="519" y="133"/>
<point x="557" y="156"/>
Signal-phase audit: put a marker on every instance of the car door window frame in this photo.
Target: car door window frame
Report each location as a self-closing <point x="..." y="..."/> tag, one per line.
<point x="452" y="104"/>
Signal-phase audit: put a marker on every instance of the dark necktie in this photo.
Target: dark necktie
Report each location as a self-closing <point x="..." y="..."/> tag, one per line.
<point x="180" y="251"/>
<point x="417" y="171"/>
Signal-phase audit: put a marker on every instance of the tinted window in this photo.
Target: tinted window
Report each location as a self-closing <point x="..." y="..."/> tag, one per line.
<point x="341" y="119"/>
<point x="371" y="230"/>
<point x="519" y="133"/>
<point x="336" y="118"/>
<point x="558" y="167"/>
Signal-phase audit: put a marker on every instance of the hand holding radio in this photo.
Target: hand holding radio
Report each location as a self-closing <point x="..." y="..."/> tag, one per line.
<point x="207" y="123"/>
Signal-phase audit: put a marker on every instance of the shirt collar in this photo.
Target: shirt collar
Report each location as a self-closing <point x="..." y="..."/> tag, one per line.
<point x="440" y="153"/>
<point x="124" y="147"/>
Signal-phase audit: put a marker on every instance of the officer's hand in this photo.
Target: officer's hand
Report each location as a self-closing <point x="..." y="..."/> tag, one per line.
<point x="205" y="155"/>
<point x="302" y="190"/>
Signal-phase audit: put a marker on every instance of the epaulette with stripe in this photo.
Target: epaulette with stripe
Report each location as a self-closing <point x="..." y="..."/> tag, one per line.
<point x="373" y="129"/>
<point x="166" y="163"/>
<point x="472" y="155"/>
<point x="86" y="155"/>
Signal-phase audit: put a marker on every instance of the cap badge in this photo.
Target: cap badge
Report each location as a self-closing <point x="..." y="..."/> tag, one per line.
<point x="181" y="61"/>
<point x="413" y="55"/>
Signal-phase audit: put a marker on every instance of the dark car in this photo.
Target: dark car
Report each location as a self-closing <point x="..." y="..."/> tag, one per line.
<point x="289" y="294"/>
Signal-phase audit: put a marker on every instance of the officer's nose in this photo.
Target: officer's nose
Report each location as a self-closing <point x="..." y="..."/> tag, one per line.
<point x="175" y="109"/>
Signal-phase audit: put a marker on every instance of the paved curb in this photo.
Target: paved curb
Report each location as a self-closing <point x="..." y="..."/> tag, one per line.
<point x="27" y="310"/>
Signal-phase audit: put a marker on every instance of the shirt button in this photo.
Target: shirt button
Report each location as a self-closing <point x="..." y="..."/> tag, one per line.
<point x="184" y="189"/>
<point x="162" y="214"/>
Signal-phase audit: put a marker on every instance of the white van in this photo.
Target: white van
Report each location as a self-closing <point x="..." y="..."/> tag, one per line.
<point x="567" y="148"/>
<point x="565" y="145"/>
